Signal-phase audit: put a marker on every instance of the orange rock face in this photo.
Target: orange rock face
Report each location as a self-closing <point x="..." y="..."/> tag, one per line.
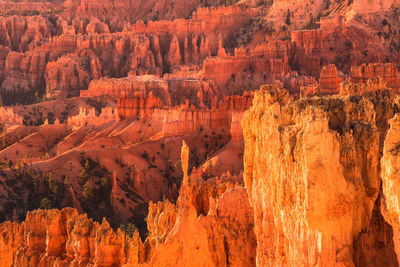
<point x="139" y="106"/>
<point x="300" y="173"/>
<point x="128" y="86"/>
<point x="170" y="90"/>
<point x="325" y="207"/>
<point x="329" y="83"/>
<point x="390" y="206"/>
<point x="371" y="85"/>
<point x="204" y="209"/>
<point x="314" y="216"/>
<point x="63" y="237"/>
<point x="221" y="222"/>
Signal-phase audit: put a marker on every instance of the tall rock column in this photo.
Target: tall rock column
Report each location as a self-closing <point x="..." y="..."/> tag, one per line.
<point x="390" y="180"/>
<point x="311" y="171"/>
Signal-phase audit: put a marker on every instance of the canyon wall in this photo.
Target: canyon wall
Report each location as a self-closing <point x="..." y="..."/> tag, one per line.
<point x="249" y="69"/>
<point x="128" y="86"/>
<point x="313" y="191"/>
<point x="312" y="172"/>
<point x="181" y="121"/>
<point x="174" y="89"/>
<point x="237" y="105"/>
<point x="390" y="166"/>
<point x="125" y="12"/>
<point x="185" y="120"/>
<point x="387" y="71"/>
<point x="57" y="56"/>
<point x="140" y="106"/>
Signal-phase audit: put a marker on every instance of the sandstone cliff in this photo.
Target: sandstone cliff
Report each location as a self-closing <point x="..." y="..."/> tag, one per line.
<point x="390" y="166"/>
<point x="313" y="191"/>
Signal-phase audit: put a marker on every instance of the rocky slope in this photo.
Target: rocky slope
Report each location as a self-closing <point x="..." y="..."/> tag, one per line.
<point x="320" y="189"/>
<point x="216" y="211"/>
<point x="106" y="92"/>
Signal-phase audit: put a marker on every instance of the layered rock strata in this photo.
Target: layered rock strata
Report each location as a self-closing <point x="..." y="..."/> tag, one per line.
<point x="387" y="72"/>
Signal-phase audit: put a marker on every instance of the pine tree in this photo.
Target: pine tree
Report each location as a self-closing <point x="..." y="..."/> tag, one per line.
<point x="87" y="192"/>
<point x="287" y="21"/>
<point x="46" y="204"/>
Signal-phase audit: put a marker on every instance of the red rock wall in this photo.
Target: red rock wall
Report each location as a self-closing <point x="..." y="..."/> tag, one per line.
<point x="66" y="77"/>
<point x="129" y="86"/>
<point x="184" y="120"/>
<point x="329" y="83"/>
<point x="181" y="121"/>
<point x="268" y="61"/>
<point x="130" y="11"/>
<point x="140" y="106"/>
<point x="388" y="72"/>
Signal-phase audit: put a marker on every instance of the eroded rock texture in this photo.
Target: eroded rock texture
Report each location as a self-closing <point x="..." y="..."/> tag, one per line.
<point x="216" y="212"/>
<point x="390" y="186"/>
<point x="62" y="237"/>
<point x="313" y="175"/>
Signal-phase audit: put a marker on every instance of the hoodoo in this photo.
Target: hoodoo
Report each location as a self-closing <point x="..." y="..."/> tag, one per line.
<point x="199" y="133"/>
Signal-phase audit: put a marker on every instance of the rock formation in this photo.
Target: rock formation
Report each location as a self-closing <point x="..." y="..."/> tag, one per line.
<point x="237" y="105"/>
<point x="170" y="90"/>
<point x="312" y="211"/>
<point x="329" y="83"/>
<point x="66" y="77"/>
<point x="140" y="106"/>
<point x="64" y="237"/>
<point x="312" y="195"/>
<point x="90" y="118"/>
<point x="388" y="72"/>
<point x="186" y="121"/>
<point x="128" y="86"/>
<point x="390" y="206"/>
<point x="249" y="69"/>
<point x="8" y="117"/>
<point x="371" y="85"/>
<point x="106" y="92"/>
<point x="56" y="237"/>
